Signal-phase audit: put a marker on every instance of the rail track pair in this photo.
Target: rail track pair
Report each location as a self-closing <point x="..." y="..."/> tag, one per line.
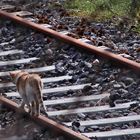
<point x="63" y="128"/>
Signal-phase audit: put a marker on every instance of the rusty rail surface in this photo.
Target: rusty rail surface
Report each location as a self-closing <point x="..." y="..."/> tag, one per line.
<point x="103" y="53"/>
<point x="46" y="122"/>
<point x="54" y="126"/>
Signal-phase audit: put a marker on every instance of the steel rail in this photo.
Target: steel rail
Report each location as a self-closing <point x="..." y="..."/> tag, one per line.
<point x="46" y="122"/>
<point x="103" y="53"/>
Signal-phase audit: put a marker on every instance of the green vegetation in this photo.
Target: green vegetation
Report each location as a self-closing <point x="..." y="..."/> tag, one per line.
<point x="102" y="9"/>
<point x="126" y="11"/>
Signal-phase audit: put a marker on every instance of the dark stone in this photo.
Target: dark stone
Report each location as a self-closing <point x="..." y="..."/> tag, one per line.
<point x="134" y="105"/>
<point x="74" y="79"/>
<point x="76" y="123"/>
<point x="111" y="104"/>
<point x="87" y="88"/>
<point x="70" y="92"/>
<point x="114" y="96"/>
<point x="100" y="43"/>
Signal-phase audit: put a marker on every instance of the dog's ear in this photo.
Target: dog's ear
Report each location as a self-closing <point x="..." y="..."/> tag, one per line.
<point x="12" y="74"/>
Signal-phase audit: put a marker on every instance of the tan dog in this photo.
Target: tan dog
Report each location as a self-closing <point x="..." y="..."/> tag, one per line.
<point x="29" y="87"/>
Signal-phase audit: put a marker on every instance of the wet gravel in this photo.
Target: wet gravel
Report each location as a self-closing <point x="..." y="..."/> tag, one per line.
<point x="105" y="76"/>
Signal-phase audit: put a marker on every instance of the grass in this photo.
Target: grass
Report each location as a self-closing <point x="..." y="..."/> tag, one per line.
<point x="98" y="9"/>
<point x="102" y="10"/>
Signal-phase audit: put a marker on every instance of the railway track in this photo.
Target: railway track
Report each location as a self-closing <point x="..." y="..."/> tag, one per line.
<point x="72" y="112"/>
